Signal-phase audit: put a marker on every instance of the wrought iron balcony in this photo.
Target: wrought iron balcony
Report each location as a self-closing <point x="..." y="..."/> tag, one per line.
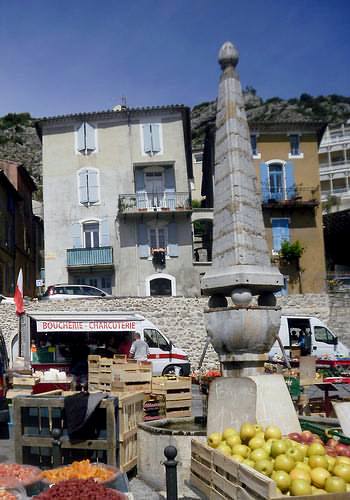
<point x="154" y="202"/>
<point x="296" y="196"/>
<point x="81" y="257"/>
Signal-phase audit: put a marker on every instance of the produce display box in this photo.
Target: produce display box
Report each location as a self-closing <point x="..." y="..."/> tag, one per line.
<point x="154" y="407"/>
<point x="115" y="443"/>
<point x="178" y="394"/>
<point x="218" y="477"/>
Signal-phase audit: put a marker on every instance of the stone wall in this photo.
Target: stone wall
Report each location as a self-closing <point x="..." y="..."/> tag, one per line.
<point x="182" y="319"/>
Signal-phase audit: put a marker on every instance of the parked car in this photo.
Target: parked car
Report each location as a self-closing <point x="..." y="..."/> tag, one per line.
<point x="6" y="300"/>
<point x="4" y="411"/>
<point x="66" y="291"/>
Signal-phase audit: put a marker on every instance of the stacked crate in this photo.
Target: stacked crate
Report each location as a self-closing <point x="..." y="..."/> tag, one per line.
<point x="177" y="392"/>
<point x="154" y="407"/>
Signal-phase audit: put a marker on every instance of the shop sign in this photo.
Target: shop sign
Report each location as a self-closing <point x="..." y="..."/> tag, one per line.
<point x="85" y="326"/>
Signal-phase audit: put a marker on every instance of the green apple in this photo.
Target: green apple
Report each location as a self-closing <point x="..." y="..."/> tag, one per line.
<point x="264" y="466"/>
<point x="241" y="449"/>
<point x="256" y="442"/>
<point x="267" y="445"/>
<point x="318" y="491"/>
<point x="319" y="477"/>
<point x="295" y="453"/>
<point x="284" y="462"/>
<point x="214" y="439"/>
<point x="238" y="458"/>
<point x="281" y="479"/>
<point x="303" y="448"/>
<point x="318" y="461"/>
<point x="259" y="454"/>
<point x="258" y="428"/>
<point x="316" y="449"/>
<point x="249" y="462"/>
<point x="224" y="448"/>
<point x="335" y="484"/>
<point x="300" y="474"/>
<point x="342" y="460"/>
<point x="229" y="431"/>
<point x="342" y="470"/>
<point x="300" y="487"/>
<point x="331" y="462"/>
<point x="278" y="447"/>
<point x="233" y="440"/>
<point x="260" y="434"/>
<point x="273" y="432"/>
<point x="303" y="465"/>
<point x="247" y="432"/>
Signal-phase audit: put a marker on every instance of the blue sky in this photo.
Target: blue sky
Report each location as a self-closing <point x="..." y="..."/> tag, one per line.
<point x="63" y="56"/>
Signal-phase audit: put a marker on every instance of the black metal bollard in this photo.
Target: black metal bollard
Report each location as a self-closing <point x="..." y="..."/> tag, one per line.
<point x="170" y="463"/>
<point x="56" y="447"/>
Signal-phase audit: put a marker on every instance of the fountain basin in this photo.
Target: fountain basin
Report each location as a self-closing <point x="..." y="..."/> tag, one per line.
<point x="153" y="437"/>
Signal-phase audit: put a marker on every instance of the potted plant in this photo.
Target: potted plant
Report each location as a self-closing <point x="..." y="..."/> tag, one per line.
<point x="290" y="254"/>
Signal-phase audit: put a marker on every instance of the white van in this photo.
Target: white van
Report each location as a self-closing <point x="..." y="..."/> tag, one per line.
<point x="322" y="340"/>
<point x="51" y="333"/>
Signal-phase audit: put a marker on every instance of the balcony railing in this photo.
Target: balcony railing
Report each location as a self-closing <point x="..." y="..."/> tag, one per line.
<point x="294" y="196"/>
<point x="154" y="202"/>
<point x="100" y="256"/>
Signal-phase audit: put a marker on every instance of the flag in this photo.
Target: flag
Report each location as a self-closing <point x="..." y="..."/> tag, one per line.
<point x="19" y="294"/>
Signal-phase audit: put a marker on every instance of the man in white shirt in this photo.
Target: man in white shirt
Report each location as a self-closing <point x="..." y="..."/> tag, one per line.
<point x="139" y="349"/>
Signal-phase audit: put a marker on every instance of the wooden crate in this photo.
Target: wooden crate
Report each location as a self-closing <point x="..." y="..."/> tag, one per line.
<point x="178" y="395"/>
<point x="219" y="477"/>
<point x="93" y="363"/>
<point x="116" y="444"/>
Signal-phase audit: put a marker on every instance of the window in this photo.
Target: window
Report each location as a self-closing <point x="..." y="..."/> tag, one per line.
<point x="155" y="339"/>
<point x="151" y="138"/>
<point x="88" y="185"/>
<point x="160" y="286"/>
<point x="86" y="139"/>
<point x="280" y="233"/>
<point x="277" y="181"/>
<point x="324" y="335"/>
<point x="91" y="232"/>
<point x="254" y="144"/>
<point x="294" y="141"/>
<point x="158" y="238"/>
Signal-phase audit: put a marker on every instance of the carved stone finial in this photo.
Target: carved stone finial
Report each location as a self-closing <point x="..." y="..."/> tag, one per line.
<point x="228" y="55"/>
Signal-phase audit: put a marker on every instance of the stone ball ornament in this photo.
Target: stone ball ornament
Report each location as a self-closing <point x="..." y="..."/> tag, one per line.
<point x="241" y="296"/>
<point x="228" y="55"/>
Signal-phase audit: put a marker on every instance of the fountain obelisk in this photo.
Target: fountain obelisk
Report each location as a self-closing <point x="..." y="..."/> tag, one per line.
<point x="241" y="333"/>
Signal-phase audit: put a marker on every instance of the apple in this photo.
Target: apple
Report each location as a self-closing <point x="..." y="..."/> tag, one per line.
<point x="273" y="432"/>
<point x="233" y="440"/>
<point x="247" y="432"/>
<point x="224" y="448"/>
<point x="319" y="476"/>
<point x="342" y="460"/>
<point x="303" y="447"/>
<point x="342" y="470"/>
<point x="256" y="442"/>
<point x="241" y="449"/>
<point x="306" y="437"/>
<point x="303" y="466"/>
<point x="295" y="453"/>
<point x="300" y="474"/>
<point x="299" y="487"/>
<point x="264" y="466"/>
<point x="229" y="431"/>
<point x="267" y="445"/>
<point x="347" y="487"/>
<point x="278" y="447"/>
<point x="341" y="449"/>
<point x="238" y="458"/>
<point x="260" y="434"/>
<point x="332" y="442"/>
<point x="331" y="462"/>
<point x="284" y="462"/>
<point x="318" y="461"/>
<point x="295" y="436"/>
<point x="331" y="451"/>
<point x="249" y="462"/>
<point x="214" y="439"/>
<point x="258" y="428"/>
<point x="318" y="491"/>
<point x="335" y="484"/>
<point x="259" y="454"/>
<point x="316" y="449"/>
<point x="282" y="480"/>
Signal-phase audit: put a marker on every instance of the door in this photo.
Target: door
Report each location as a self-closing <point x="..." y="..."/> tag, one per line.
<point x="324" y="341"/>
<point x="276" y="182"/>
<point x="91" y="234"/>
<point x="154" y="186"/>
<point x="159" y="349"/>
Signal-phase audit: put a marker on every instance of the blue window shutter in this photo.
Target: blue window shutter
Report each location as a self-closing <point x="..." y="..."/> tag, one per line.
<point x="142" y="241"/>
<point x="76" y="235"/>
<point x="147" y="138"/>
<point x="155" y="132"/>
<point x="83" y="191"/>
<point x="81" y="138"/>
<point x="173" y="247"/>
<point x="93" y="186"/>
<point x="290" y="181"/>
<point x="264" y="181"/>
<point x="139" y="180"/>
<point x="90" y="142"/>
<point x="105" y="233"/>
<point x="280" y="232"/>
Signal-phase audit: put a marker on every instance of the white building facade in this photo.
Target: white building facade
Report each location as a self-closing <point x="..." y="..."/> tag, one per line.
<point x="117" y="203"/>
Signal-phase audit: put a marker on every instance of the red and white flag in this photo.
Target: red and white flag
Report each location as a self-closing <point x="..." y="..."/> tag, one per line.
<point x="19" y="294"/>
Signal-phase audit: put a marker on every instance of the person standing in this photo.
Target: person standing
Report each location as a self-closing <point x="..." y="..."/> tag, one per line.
<point x="139" y="349"/>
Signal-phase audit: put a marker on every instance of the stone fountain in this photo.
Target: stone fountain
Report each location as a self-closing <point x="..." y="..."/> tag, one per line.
<point x="241" y="333"/>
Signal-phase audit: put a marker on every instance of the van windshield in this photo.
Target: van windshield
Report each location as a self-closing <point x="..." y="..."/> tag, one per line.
<point x="155" y="339"/>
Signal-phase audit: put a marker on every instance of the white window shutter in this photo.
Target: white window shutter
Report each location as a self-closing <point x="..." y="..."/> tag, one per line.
<point x="147" y="138"/>
<point x="142" y="241"/>
<point x="155" y="129"/>
<point x="93" y="186"/>
<point x="81" y="137"/>
<point x="172" y="240"/>
<point x="90" y="142"/>
<point x="83" y="188"/>
<point x="105" y="233"/>
<point x="76" y="235"/>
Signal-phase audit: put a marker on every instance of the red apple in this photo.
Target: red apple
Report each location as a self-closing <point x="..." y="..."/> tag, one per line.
<point x="331" y="451"/>
<point x="341" y="449"/>
<point x="295" y="436"/>
<point x="332" y="442"/>
<point x="306" y="437"/>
